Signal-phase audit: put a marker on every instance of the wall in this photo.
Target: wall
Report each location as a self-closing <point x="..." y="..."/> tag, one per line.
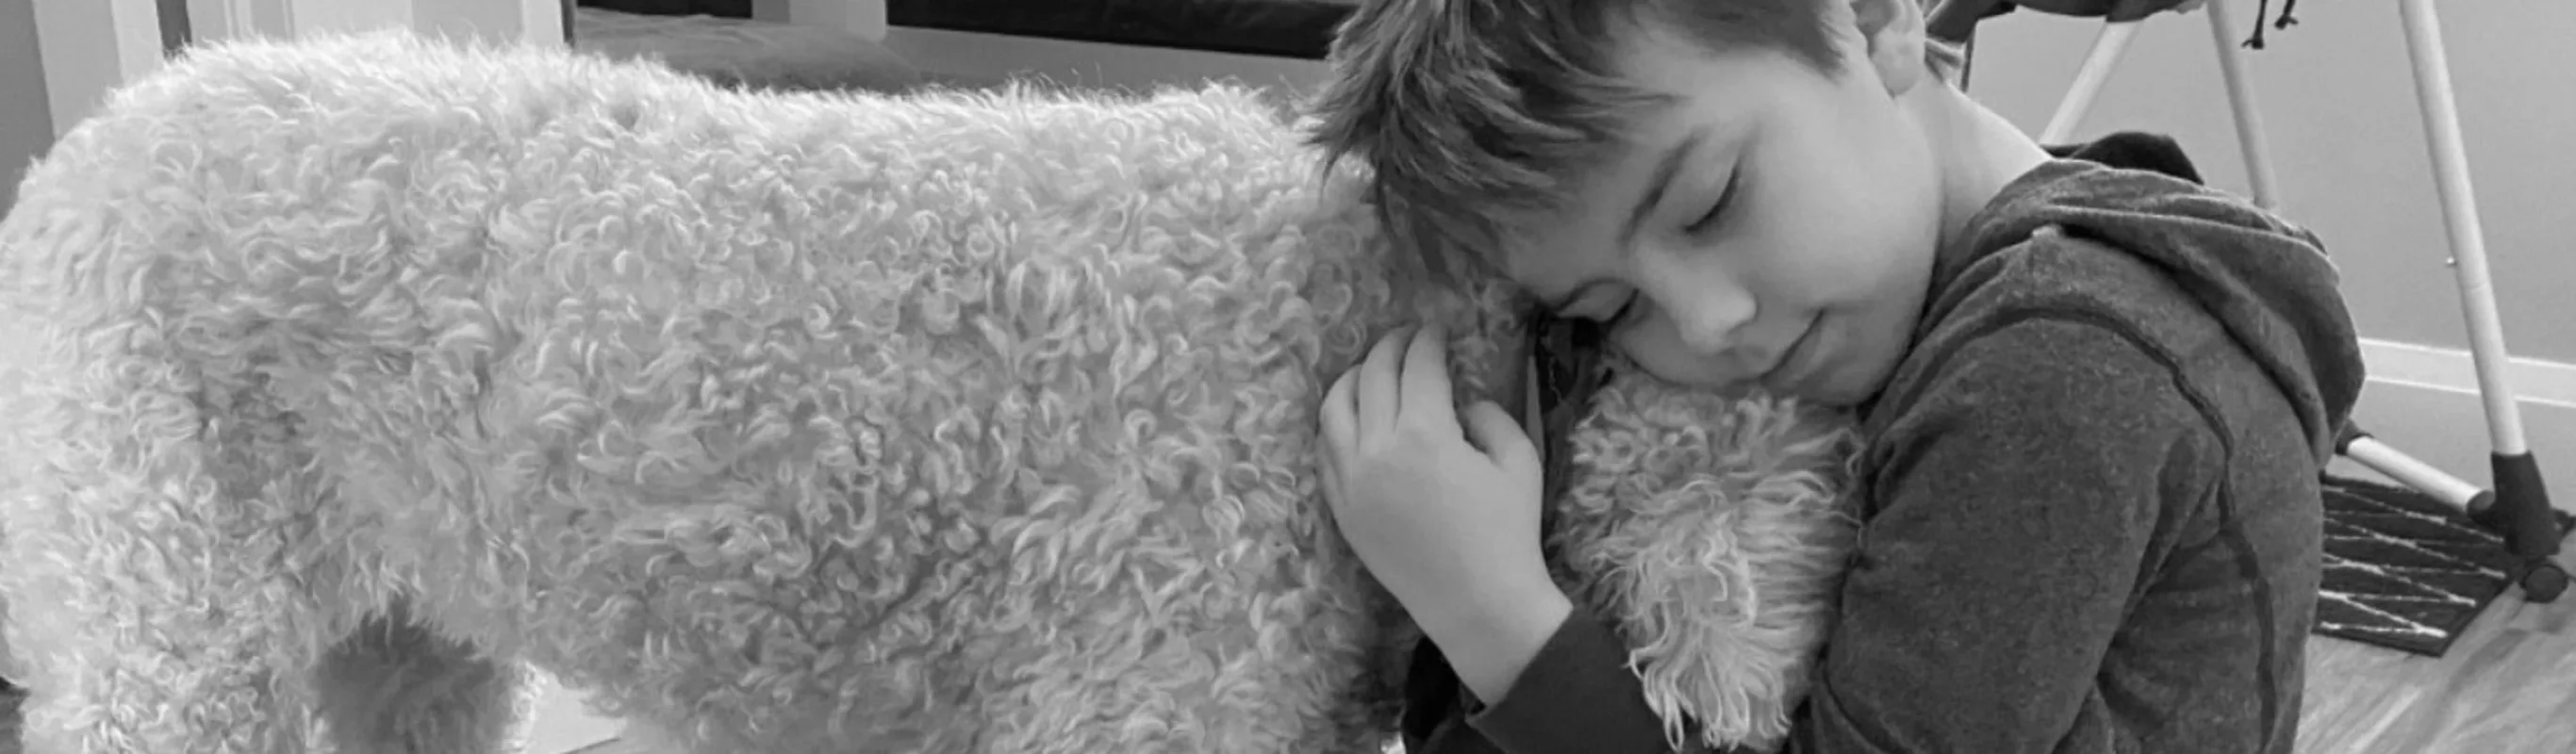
<point x="27" y="122"/>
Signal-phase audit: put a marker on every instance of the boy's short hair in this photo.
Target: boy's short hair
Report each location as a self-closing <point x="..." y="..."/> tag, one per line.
<point x="1469" y="110"/>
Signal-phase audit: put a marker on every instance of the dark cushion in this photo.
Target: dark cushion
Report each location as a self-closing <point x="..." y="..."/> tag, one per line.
<point x="1277" y="28"/>
<point x="717" y="8"/>
<point x="747" y="53"/>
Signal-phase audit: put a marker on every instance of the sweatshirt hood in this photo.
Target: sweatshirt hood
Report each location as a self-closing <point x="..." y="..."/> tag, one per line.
<point x="2268" y="283"/>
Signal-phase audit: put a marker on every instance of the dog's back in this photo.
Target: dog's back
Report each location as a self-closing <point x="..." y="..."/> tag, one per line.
<point x="957" y="422"/>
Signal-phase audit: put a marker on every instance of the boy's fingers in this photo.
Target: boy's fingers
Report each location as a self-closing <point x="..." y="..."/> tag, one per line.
<point x="1426" y="377"/>
<point x="1379" y="397"/>
<point x="1328" y="475"/>
<point x="1336" y="416"/>
<point x="1494" y="431"/>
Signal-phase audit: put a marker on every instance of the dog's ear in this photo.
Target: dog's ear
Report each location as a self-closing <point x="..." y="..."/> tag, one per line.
<point x="1568" y="366"/>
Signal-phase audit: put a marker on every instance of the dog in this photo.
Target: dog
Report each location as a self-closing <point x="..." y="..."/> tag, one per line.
<point x="350" y="376"/>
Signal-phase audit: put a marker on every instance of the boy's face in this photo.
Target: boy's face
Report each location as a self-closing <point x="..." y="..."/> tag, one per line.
<point x="1769" y="224"/>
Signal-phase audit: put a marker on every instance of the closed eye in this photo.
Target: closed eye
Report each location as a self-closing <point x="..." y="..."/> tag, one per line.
<point x="1725" y="199"/>
<point x="1620" y="316"/>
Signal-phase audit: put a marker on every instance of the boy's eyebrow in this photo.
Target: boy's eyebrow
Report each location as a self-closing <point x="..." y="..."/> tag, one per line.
<point x="1657" y="183"/>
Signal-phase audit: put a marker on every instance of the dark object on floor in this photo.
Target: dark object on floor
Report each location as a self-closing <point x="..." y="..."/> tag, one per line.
<point x="2405" y="571"/>
<point x="745" y="53"/>
<point x="1275" y="28"/>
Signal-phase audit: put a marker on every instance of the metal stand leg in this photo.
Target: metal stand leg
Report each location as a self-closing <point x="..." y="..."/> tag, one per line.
<point x="2096" y="71"/>
<point x="2417" y="475"/>
<point x="2522" y="511"/>
<point x="1967" y="59"/>
<point x="2240" y="100"/>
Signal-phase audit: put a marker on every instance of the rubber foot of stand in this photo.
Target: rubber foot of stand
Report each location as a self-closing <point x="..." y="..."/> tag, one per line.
<point x="2543" y="583"/>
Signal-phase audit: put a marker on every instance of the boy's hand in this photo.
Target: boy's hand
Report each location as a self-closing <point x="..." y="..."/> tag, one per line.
<point x="1450" y="527"/>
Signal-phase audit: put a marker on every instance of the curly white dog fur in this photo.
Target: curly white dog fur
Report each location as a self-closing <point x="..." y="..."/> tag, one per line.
<point x="344" y="376"/>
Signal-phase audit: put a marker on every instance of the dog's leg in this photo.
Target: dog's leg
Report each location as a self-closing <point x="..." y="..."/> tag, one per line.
<point x="142" y="641"/>
<point x="396" y="687"/>
<point x="164" y="560"/>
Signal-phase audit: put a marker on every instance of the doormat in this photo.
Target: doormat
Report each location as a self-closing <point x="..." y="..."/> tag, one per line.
<point x="2406" y="571"/>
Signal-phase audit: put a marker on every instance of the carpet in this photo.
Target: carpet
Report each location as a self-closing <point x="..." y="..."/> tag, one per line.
<point x="2405" y="571"/>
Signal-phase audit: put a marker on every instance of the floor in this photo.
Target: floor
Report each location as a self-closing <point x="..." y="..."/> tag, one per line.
<point x="2508" y="686"/>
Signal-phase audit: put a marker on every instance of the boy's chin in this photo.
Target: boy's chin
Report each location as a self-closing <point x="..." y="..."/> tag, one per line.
<point x="1830" y="390"/>
<point x="1737" y="389"/>
<point x="1834" y="400"/>
<point x="1839" y="390"/>
<point x="1825" y="392"/>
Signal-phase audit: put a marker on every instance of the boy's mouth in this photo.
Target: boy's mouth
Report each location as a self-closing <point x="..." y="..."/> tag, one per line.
<point x="1794" y="365"/>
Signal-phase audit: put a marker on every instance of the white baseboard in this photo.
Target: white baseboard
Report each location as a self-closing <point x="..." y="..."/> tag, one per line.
<point x="2424" y="402"/>
<point x="2453" y="370"/>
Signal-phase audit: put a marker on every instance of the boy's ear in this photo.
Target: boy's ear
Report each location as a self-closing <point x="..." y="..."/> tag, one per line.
<point x="1893" y="33"/>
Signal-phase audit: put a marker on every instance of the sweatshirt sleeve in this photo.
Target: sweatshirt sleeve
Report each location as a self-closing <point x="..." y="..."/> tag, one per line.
<point x="2011" y="506"/>
<point x="1577" y="696"/>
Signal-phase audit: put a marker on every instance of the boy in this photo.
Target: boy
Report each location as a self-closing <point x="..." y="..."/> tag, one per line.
<point x="2096" y="401"/>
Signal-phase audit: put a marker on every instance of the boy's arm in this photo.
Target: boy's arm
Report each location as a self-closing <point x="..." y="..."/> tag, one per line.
<point x="2011" y="512"/>
<point x="2011" y="508"/>
<point x="1575" y="695"/>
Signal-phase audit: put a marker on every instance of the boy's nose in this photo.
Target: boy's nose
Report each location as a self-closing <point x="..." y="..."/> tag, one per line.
<point x="1657" y="346"/>
<point x="1711" y="321"/>
<point x="1696" y="341"/>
